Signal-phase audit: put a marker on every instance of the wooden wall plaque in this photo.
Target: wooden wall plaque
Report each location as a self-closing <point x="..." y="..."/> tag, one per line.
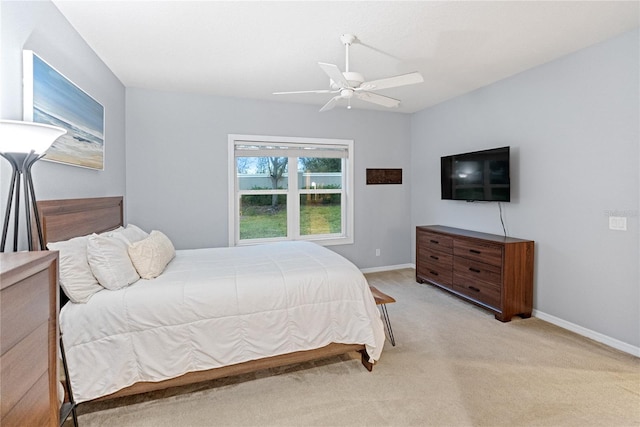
<point x="384" y="176"/>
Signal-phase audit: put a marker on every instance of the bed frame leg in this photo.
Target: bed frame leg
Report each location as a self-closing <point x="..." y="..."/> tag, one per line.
<point x="364" y="358"/>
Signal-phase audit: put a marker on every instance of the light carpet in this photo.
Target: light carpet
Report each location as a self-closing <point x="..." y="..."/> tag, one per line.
<point x="453" y="365"/>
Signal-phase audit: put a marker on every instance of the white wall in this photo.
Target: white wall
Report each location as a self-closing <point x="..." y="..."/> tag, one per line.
<point x="177" y="166"/>
<point x="573" y="128"/>
<point x="40" y="27"/>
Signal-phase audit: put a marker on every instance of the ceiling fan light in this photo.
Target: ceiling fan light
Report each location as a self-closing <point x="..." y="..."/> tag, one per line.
<point x="354" y="79"/>
<point x="346" y="93"/>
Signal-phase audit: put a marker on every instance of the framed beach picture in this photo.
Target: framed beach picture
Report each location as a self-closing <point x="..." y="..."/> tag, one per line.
<point x="49" y="97"/>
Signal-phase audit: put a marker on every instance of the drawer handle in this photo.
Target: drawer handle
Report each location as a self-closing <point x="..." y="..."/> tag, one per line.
<point x="435" y="273"/>
<point x="474" y="251"/>
<point x="475" y="270"/>
<point x="473" y="288"/>
<point x="434" y="241"/>
<point x="434" y="257"/>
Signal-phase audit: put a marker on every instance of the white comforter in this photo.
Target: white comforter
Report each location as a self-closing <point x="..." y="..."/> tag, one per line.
<point x="216" y="307"/>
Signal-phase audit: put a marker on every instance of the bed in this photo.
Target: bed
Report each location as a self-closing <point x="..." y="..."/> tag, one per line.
<point x="212" y="313"/>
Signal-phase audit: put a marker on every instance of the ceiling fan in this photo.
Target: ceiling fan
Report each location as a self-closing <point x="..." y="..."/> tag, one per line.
<point x="351" y="84"/>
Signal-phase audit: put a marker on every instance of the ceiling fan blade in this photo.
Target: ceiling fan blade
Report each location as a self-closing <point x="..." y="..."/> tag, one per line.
<point x="332" y="103"/>
<point x="334" y="74"/>
<point x="378" y="99"/>
<point x="389" y="82"/>
<point x="306" y="91"/>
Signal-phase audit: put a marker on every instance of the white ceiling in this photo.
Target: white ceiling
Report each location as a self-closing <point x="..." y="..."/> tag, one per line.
<point x="250" y="49"/>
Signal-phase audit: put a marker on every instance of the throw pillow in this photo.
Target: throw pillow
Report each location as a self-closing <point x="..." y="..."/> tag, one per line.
<point x="151" y="255"/>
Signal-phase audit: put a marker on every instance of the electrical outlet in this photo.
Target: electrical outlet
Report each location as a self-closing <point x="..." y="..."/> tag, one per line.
<point x="377" y="252"/>
<point x="618" y="223"/>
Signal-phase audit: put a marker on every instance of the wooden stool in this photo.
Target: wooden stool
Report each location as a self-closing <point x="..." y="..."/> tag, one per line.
<point x="382" y="300"/>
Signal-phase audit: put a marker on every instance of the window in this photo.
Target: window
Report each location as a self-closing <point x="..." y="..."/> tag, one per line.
<point x="284" y="188"/>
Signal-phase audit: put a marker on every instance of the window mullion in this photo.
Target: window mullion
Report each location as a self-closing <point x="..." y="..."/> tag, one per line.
<point x="293" y="204"/>
<point x="264" y="191"/>
<point x="236" y="230"/>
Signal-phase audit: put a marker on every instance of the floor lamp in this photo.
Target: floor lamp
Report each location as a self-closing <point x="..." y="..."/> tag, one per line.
<point x="23" y="144"/>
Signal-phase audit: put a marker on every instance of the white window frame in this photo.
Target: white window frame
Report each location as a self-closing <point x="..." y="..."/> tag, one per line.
<point x="293" y="203"/>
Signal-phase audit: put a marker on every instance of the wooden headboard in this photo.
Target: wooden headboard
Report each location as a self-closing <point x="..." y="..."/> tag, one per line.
<point x="67" y="218"/>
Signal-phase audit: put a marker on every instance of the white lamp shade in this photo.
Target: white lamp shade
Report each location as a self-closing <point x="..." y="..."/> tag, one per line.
<point x="22" y="137"/>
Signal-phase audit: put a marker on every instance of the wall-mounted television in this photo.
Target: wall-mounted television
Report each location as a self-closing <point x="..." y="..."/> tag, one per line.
<point x="476" y="176"/>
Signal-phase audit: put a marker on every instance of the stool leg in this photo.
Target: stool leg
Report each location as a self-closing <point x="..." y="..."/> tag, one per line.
<point x="387" y="323"/>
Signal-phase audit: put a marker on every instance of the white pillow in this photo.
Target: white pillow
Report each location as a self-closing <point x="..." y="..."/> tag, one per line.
<point x="76" y="279"/>
<point x="133" y="234"/>
<point x="111" y="232"/>
<point x="151" y="255"/>
<point x="109" y="261"/>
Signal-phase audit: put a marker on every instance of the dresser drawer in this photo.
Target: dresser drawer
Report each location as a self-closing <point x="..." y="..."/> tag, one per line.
<point x="33" y="409"/>
<point x="442" y="277"/>
<point x="436" y="266"/>
<point x="23" y="308"/>
<point x="439" y="271"/>
<point x="428" y="240"/>
<point x="478" y="251"/>
<point x="479" y="291"/>
<point x="22" y="365"/>
<point x="474" y="271"/>
<point x="436" y="259"/>
<point x="478" y="280"/>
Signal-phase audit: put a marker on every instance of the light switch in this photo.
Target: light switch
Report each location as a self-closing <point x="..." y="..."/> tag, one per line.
<point x="618" y="223"/>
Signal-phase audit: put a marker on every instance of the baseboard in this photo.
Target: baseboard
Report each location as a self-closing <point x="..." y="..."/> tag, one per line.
<point x="387" y="268"/>
<point x="596" y="336"/>
<point x="588" y="333"/>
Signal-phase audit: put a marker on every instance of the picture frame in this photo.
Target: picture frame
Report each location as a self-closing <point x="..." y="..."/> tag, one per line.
<point x="384" y="176"/>
<point x="51" y="98"/>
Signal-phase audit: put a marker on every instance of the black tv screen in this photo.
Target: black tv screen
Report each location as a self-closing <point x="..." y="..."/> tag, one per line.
<point x="476" y="176"/>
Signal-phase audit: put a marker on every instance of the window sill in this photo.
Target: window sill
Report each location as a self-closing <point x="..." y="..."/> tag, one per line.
<point x="328" y="241"/>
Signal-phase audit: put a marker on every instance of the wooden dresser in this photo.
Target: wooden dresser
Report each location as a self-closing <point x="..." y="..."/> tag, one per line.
<point x="29" y="337"/>
<point x="493" y="271"/>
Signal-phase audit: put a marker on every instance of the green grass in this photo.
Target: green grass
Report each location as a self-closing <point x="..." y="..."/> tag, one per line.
<point x="264" y="223"/>
<point x="320" y="219"/>
<point x="255" y="225"/>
